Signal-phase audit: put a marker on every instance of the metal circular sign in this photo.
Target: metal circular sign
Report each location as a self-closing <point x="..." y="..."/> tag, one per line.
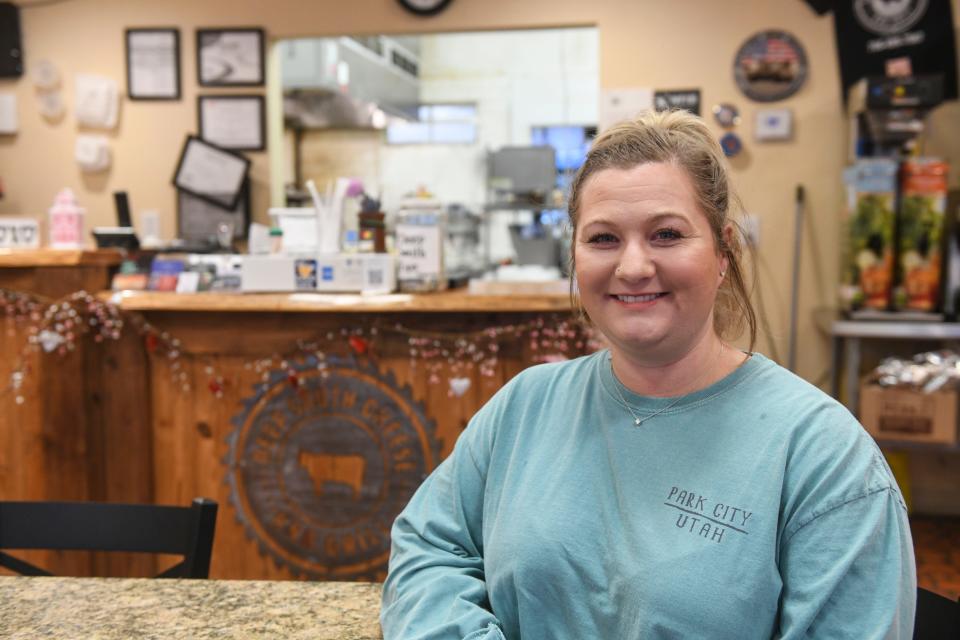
<point x="322" y="460"/>
<point x="726" y="115"/>
<point x="886" y="17"/>
<point x="731" y="144"/>
<point x="770" y="66"/>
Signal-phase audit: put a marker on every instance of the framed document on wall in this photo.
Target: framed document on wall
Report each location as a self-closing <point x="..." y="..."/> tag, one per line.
<point x="198" y="220"/>
<point x="153" y="64"/>
<point x="230" y="57"/>
<point x="211" y="173"/>
<point x="232" y="122"/>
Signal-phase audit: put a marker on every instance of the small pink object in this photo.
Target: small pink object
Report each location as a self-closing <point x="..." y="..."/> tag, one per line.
<point x="66" y="221"/>
<point x="355" y="188"/>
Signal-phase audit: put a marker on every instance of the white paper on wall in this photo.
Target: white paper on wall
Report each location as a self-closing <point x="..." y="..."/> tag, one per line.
<point x="92" y="153"/>
<point x="8" y="113"/>
<point x="617" y="105"/>
<point x="45" y="75"/>
<point x="773" y="124"/>
<point x="51" y="104"/>
<point x="97" y="101"/>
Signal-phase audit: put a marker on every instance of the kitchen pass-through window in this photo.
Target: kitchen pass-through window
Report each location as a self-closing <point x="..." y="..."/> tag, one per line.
<point x="436" y="124"/>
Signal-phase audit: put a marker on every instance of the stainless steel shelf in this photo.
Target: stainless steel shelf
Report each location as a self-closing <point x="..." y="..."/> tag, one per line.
<point x="896" y="330"/>
<point x="846" y="336"/>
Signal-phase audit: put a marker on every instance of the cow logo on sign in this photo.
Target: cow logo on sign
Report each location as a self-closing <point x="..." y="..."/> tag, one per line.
<point x="886" y="17"/>
<point x="321" y="462"/>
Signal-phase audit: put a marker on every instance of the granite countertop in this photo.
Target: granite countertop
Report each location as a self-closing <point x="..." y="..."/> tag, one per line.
<point x="106" y="608"/>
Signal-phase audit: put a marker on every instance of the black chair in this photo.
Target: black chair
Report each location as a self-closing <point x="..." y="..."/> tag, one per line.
<point x="938" y="618"/>
<point x="100" y="526"/>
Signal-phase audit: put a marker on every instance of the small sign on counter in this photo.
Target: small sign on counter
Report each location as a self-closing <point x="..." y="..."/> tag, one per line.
<point x="419" y="249"/>
<point x="420" y="230"/>
<point x="19" y="233"/>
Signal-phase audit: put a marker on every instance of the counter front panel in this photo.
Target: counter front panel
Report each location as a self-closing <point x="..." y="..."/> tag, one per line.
<point x="311" y="427"/>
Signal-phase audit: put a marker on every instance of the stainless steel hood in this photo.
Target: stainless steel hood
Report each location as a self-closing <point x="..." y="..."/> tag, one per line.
<point x="348" y="82"/>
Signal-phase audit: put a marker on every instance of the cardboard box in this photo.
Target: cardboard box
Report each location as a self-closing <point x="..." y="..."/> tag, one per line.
<point x="907" y="415"/>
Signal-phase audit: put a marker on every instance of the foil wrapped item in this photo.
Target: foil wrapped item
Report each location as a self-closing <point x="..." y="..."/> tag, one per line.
<point x="927" y="372"/>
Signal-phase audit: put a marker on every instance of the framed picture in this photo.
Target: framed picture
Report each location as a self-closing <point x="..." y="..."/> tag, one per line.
<point x="153" y="64"/>
<point x="211" y="173"/>
<point x="230" y="57"/>
<point x="232" y="122"/>
<point x="198" y="220"/>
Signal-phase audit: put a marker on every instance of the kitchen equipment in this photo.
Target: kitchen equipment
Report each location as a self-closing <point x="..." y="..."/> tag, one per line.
<point x="535" y="244"/>
<point x="462" y="253"/>
<point x="888" y="113"/>
<point x="522" y="174"/>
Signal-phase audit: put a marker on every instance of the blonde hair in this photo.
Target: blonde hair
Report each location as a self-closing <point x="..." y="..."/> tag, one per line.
<point x="683" y="139"/>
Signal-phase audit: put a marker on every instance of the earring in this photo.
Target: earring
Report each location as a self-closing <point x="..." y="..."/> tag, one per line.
<point x="618" y="271"/>
<point x="723" y="273"/>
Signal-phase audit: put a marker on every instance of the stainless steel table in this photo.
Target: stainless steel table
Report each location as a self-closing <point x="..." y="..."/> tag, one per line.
<point x="846" y="338"/>
<point x="107" y="608"/>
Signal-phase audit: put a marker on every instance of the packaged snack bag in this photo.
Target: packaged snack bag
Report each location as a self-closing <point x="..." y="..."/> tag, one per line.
<point x="867" y="267"/>
<point x="920" y="228"/>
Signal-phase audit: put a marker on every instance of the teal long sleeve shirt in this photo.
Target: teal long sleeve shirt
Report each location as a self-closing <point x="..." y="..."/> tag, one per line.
<point x="755" y="508"/>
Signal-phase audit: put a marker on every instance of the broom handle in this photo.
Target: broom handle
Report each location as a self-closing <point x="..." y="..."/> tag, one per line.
<point x="795" y="289"/>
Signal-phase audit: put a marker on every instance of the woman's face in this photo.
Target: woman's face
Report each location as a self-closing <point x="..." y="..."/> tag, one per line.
<point x="647" y="264"/>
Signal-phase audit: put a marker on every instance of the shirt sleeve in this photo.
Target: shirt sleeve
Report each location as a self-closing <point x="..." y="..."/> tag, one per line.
<point x="849" y="571"/>
<point x="435" y="586"/>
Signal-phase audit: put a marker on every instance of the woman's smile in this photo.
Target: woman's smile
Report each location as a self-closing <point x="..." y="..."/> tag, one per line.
<point x="640" y="300"/>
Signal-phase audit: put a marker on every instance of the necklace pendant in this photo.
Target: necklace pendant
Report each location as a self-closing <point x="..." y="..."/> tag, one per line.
<point x="637" y="421"/>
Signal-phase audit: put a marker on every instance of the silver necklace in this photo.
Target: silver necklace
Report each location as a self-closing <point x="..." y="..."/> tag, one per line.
<point x="637" y="420"/>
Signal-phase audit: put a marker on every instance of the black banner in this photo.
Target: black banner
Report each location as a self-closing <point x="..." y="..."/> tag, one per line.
<point x="688" y="99"/>
<point x="871" y="32"/>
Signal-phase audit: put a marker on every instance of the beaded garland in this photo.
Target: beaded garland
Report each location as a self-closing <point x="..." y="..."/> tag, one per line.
<point x="56" y="326"/>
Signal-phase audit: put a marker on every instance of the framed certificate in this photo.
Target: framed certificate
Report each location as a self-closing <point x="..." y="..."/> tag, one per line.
<point x="153" y="64"/>
<point x="230" y="57"/>
<point x="232" y="122"/>
<point x="198" y="220"/>
<point x="211" y="173"/>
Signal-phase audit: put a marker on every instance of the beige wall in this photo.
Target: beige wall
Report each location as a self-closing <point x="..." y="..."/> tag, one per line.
<point x="654" y="43"/>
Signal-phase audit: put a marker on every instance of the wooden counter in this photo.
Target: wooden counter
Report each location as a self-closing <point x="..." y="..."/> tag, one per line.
<point x="60" y="438"/>
<point x="83" y="608"/>
<point x="439" y="302"/>
<point x="59" y="257"/>
<point x="309" y="418"/>
<point x="312" y="464"/>
<point x="57" y="272"/>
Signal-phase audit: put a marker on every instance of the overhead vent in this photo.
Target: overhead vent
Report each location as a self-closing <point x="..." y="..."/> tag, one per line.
<point x="349" y="81"/>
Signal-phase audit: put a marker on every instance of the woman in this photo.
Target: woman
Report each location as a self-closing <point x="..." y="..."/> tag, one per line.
<point x="672" y="486"/>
